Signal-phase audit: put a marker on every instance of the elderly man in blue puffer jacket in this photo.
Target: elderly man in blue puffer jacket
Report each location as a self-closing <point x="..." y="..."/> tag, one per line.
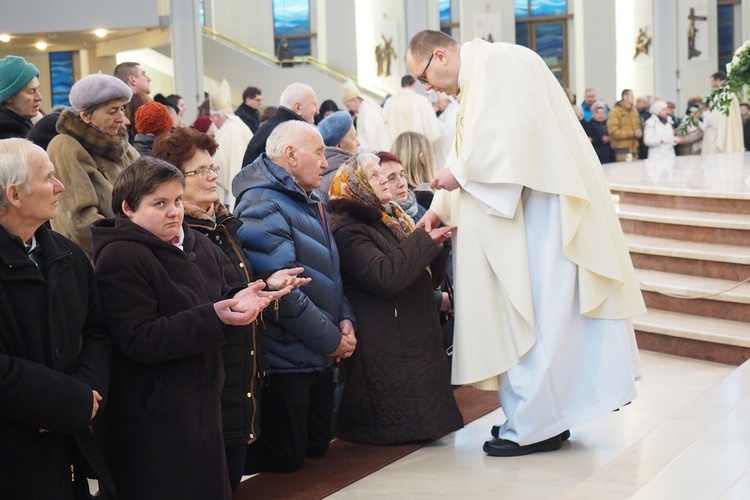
<point x="284" y="225"/>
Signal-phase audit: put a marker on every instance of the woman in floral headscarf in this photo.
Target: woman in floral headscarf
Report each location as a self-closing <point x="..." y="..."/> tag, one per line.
<point x="397" y="383"/>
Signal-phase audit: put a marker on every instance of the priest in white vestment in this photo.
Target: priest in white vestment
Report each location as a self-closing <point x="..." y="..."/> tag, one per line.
<point x="722" y="133"/>
<point x="372" y="127"/>
<point x="233" y="136"/>
<point x="544" y="285"/>
<point x="448" y="107"/>
<point x="407" y="111"/>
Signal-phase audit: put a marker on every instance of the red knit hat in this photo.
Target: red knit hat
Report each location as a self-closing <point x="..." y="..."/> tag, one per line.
<point x="202" y="124"/>
<point x="153" y="118"/>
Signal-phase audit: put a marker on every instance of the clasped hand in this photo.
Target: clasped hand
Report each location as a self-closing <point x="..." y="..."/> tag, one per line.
<point x="348" y="341"/>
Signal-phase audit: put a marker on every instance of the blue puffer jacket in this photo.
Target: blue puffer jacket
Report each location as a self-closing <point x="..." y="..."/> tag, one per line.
<point x="282" y="228"/>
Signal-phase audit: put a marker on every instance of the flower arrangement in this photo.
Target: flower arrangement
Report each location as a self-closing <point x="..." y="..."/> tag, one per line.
<point x="738" y="75"/>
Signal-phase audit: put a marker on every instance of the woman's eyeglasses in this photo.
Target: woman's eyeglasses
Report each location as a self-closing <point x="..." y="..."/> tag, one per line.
<point x="203" y="172"/>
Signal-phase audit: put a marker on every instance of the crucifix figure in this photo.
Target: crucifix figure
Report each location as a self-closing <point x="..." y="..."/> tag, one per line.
<point x="692" y="30"/>
<point x="386" y="52"/>
<point x="642" y="41"/>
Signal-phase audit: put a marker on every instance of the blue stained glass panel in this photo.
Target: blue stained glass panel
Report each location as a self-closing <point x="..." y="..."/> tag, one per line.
<point x="549" y="7"/>
<point x="445" y="11"/>
<point x="61" y="77"/>
<point x="726" y="29"/>
<point x="292" y="17"/>
<point x="521" y="7"/>
<point x="549" y="42"/>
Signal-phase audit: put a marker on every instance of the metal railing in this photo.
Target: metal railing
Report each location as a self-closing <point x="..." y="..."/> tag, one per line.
<point x="271" y="59"/>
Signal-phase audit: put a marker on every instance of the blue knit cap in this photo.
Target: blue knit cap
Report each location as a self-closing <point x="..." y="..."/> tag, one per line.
<point x="334" y="127"/>
<point x="15" y="74"/>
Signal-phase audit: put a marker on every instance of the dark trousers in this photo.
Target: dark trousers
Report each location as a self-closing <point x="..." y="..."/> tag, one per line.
<point x="236" y="463"/>
<point x="295" y="421"/>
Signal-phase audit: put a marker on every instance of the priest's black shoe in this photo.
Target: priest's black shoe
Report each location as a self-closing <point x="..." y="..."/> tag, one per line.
<point x="564" y="435"/>
<point x="497" y="447"/>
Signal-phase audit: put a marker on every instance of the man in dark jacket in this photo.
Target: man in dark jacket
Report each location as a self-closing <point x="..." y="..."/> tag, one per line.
<point x="249" y="110"/>
<point x="54" y="351"/>
<point x="285" y="226"/>
<point x="19" y="96"/>
<point x="297" y="102"/>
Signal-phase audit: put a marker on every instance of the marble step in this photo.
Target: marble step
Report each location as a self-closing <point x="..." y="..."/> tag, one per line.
<point x="710" y="339"/>
<point x="688" y="454"/>
<point x="715" y="227"/>
<point x="718" y="261"/>
<point x="697" y="295"/>
<point x="693" y="200"/>
<point x="636" y="195"/>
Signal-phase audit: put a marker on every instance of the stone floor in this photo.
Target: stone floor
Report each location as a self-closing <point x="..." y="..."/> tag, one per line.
<point x="686" y="435"/>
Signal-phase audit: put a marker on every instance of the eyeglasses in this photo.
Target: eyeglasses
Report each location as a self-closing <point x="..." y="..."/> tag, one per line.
<point x="395" y="178"/>
<point x="423" y="78"/>
<point x="203" y="172"/>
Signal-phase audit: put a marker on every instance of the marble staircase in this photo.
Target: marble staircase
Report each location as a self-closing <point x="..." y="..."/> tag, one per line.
<point x="688" y="233"/>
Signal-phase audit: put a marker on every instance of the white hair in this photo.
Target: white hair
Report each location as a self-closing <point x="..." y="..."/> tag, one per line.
<point x="14" y="167"/>
<point x="290" y="133"/>
<point x="294" y="93"/>
<point x="367" y="160"/>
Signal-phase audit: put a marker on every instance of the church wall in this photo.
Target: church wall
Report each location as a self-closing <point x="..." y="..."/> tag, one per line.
<point x="375" y="18"/>
<point x="472" y="13"/>
<point x="51" y="16"/>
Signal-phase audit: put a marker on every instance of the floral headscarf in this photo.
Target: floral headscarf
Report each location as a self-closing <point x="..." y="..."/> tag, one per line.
<point x="350" y="183"/>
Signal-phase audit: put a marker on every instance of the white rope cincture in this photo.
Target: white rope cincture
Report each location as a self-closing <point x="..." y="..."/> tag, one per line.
<point x="691" y="297"/>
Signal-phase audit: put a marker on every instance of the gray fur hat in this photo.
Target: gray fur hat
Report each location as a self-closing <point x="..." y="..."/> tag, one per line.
<point x="97" y="89"/>
<point x="334" y="127"/>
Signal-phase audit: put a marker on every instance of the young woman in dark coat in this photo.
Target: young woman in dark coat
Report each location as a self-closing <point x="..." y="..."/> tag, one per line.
<point x="397" y="382"/>
<point x="167" y="305"/>
<point x="191" y="152"/>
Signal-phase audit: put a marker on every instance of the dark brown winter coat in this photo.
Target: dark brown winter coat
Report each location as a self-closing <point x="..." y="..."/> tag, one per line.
<point x="161" y="431"/>
<point x="240" y="398"/>
<point x="397" y="385"/>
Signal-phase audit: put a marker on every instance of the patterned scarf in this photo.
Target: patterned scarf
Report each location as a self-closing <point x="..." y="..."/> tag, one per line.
<point x="351" y="183"/>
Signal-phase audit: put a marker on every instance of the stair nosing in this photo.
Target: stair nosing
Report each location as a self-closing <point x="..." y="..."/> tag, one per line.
<point x="656" y="321"/>
<point x="652" y="245"/>
<point x="713" y="220"/>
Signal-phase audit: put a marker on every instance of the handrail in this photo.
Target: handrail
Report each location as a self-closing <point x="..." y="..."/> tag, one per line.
<point x="263" y="55"/>
<point x="270" y="58"/>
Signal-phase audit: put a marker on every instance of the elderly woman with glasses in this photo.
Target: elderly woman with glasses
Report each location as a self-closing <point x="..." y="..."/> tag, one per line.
<point x="89" y="153"/>
<point x="397" y="382"/>
<point x="191" y="151"/>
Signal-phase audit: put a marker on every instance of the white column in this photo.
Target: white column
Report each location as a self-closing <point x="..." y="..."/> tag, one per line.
<point x="187" y="54"/>
<point x="337" y="34"/>
<point x="592" y="51"/>
<point x="666" y="54"/>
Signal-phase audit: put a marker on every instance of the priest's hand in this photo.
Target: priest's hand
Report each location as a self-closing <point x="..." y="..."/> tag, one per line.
<point x="429" y="221"/>
<point x="440" y="234"/>
<point x="444" y="180"/>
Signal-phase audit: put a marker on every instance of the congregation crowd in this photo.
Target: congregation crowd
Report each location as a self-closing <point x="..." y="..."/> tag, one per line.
<point x="252" y="272"/>
<point x="185" y="304"/>
<point x="649" y="126"/>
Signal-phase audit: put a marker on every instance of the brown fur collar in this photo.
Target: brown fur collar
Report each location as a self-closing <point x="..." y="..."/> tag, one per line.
<point x="111" y="147"/>
<point x="195" y="212"/>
